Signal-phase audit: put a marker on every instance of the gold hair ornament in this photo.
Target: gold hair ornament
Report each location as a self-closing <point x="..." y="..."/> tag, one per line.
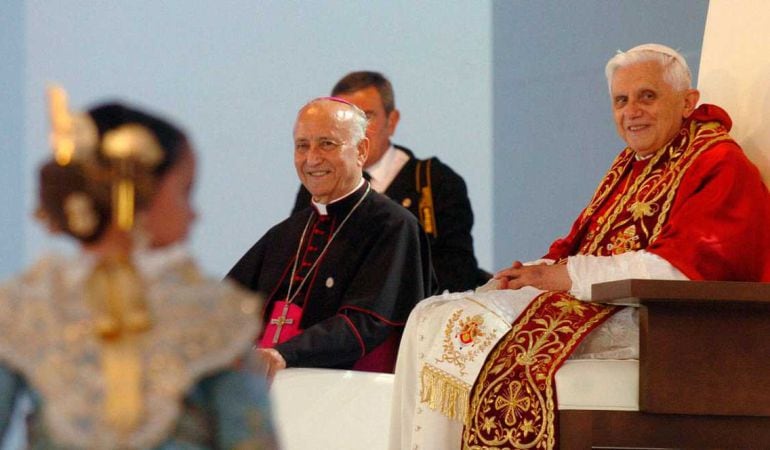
<point x="129" y="148"/>
<point x="73" y="136"/>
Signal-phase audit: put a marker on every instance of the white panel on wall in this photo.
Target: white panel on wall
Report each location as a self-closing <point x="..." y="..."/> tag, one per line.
<point x="735" y="72"/>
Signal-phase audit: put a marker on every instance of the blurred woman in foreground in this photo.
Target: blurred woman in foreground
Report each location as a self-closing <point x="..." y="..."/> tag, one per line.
<point x="127" y="345"/>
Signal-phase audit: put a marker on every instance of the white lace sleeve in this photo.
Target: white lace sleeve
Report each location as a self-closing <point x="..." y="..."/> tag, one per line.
<point x="586" y="270"/>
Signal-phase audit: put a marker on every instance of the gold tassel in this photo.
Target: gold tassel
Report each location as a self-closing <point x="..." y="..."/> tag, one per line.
<point x="444" y="393"/>
<point x="428" y="219"/>
<point x="427" y="215"/>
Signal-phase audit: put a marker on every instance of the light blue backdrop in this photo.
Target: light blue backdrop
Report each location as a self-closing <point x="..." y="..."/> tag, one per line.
<point x="11" y="132"/>
<point x="509" y="93"/>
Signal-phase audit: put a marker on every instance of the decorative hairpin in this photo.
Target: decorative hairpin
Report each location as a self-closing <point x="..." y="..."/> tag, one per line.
<point x="126" y="147"/>
<point x="73" y="136"/>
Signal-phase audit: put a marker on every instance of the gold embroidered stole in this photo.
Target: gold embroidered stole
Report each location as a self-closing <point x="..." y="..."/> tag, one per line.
<point x="513" y="401"/>
<point x="630" y="217"/>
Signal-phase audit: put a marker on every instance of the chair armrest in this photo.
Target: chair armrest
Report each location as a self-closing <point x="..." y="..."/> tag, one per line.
<point x="704" y="345"/>
<point x="636" y="292"/>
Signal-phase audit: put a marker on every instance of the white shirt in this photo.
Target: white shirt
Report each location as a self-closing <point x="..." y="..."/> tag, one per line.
<point x="384" y="171"/>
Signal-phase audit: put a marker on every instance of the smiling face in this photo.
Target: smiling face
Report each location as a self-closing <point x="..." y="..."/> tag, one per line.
<point x="328" y="159"/>
<point x="648" y="111"/>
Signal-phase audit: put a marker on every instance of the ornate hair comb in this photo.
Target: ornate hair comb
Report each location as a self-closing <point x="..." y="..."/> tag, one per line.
<point x="73" y="136"/>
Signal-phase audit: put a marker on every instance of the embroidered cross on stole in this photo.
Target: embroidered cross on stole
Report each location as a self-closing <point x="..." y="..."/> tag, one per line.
<point x="285" y="316"/>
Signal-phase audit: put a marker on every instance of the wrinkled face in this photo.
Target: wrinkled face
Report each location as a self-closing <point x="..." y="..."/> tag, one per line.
<point x="648" y="111"/>
<point x="328" y="162"/>
<point x="169" y="215"/>
<point x="381" y="125"/>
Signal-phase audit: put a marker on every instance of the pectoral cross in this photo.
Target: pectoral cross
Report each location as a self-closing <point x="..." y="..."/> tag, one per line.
<point x="281" y="321"/>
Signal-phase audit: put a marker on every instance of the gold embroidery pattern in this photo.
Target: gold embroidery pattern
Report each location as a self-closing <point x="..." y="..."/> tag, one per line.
<point x="619" y="207"/>
<point x="464" y="340"/>
<point x="706" y="136"/>
<point x="512" y="403"/>
<point x="625" y="241"/>
<point x="646" y="203"/>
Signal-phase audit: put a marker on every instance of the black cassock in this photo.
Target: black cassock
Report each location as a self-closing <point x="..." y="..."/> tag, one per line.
<point x="361" y="290"/>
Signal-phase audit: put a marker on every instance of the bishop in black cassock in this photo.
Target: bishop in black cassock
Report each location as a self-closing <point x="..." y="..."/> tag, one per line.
<point x="352" y="270"/>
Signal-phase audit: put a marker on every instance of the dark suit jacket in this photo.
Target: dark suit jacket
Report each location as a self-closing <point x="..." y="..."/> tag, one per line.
<point x="452" y="247"/>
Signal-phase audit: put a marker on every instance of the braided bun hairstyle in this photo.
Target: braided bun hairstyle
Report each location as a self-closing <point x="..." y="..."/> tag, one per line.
<point x="76" y="198"/>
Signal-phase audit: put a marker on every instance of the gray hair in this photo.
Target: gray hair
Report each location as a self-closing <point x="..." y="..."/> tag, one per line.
<point x="675" y="70"/>
<point x="359" y="120"/>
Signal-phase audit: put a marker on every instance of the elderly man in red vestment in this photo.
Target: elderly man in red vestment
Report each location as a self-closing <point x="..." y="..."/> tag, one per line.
<point x="681" y="201"/>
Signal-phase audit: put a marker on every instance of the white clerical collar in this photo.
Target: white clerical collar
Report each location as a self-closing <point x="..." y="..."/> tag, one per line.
<point x="321" y="207"/>
<point x="384" y="171"/>
<point x="642" y="158"/>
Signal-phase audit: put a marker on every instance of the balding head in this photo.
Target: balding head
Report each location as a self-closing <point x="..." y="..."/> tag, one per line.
<point x="330" y="147"/>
